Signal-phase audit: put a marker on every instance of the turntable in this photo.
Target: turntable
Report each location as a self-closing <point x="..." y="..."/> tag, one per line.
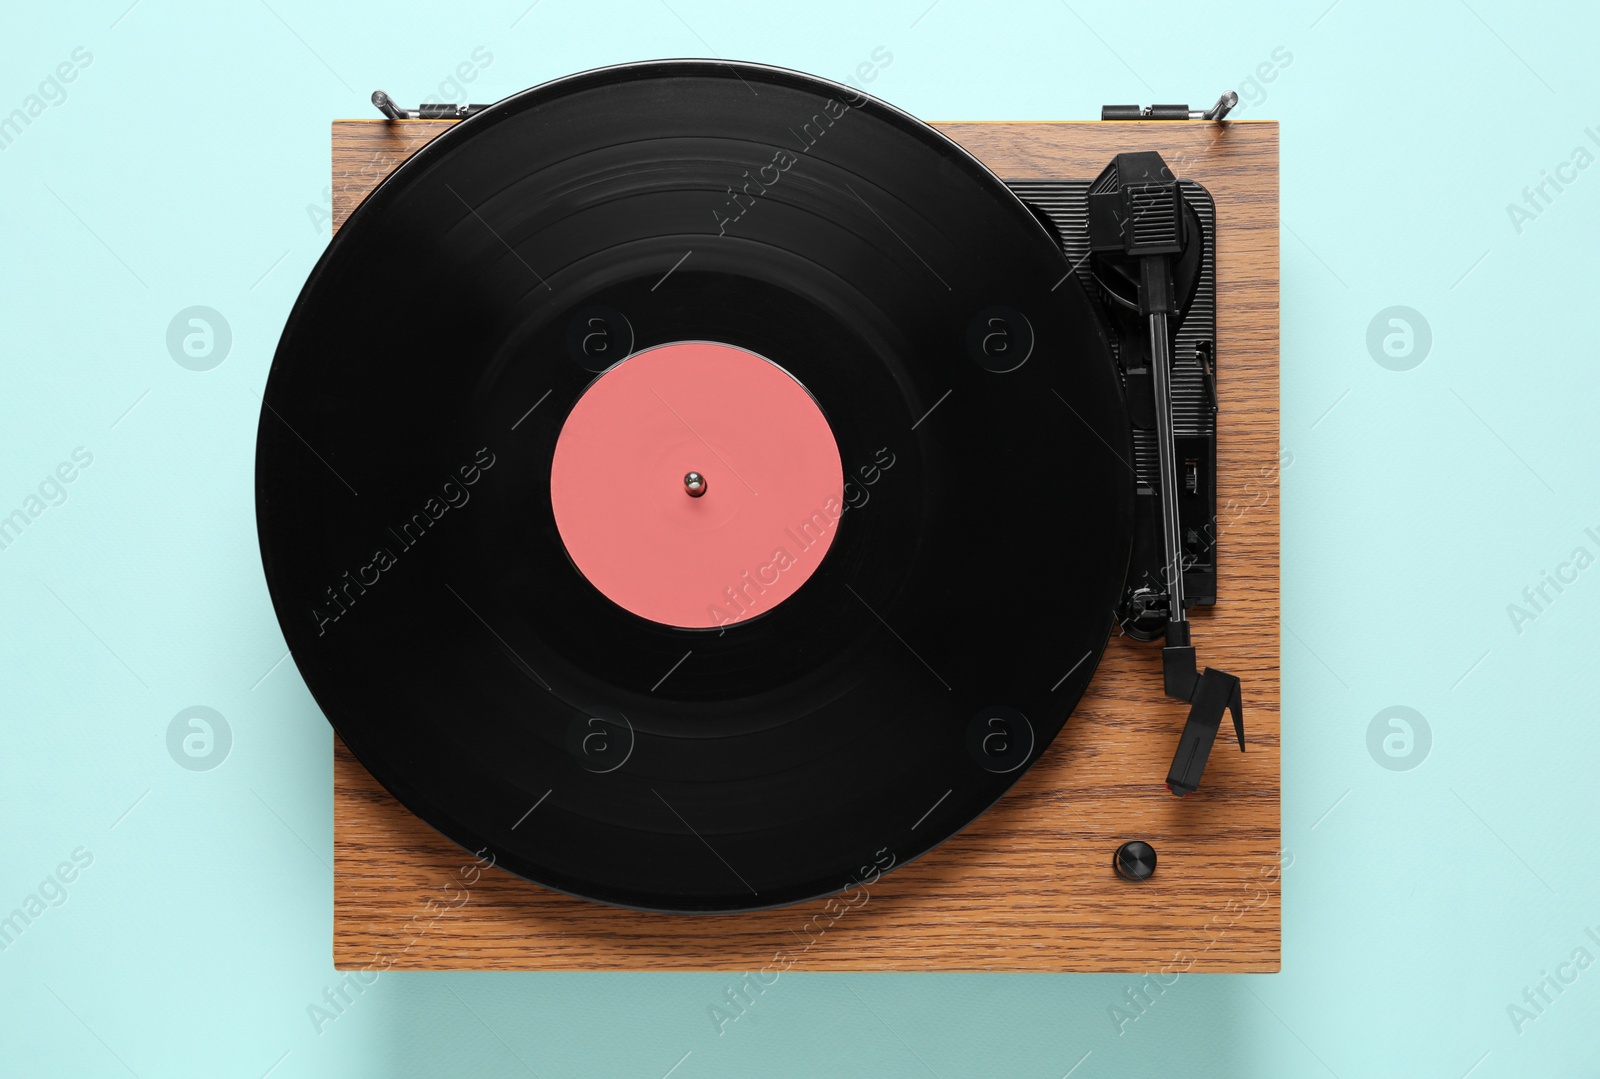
<point x="725" y="518"/>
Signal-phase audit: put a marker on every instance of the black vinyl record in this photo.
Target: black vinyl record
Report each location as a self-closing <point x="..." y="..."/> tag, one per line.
<point x="411" y="549"/>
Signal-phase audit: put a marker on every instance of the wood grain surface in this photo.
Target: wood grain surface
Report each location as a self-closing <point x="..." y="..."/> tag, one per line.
<point x="1029" y="886"/>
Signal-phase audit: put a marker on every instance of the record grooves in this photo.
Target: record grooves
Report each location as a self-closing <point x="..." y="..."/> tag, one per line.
<point x="432" y="599"/>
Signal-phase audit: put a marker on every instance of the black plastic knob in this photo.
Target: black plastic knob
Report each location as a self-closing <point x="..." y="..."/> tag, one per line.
<point x="1135" y="860"/>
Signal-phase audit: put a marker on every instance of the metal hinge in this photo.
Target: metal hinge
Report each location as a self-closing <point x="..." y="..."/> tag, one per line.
<point x="452" y="111"/>
<point x="1224" y="105"/>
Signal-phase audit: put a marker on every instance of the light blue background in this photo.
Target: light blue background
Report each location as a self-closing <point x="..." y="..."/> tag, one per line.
<point x="185" y="167"/>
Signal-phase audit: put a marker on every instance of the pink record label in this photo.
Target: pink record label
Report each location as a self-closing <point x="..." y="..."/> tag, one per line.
<point x="696" y="484"/>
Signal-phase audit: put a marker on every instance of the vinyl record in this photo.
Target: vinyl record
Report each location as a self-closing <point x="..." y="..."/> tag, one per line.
<point x="488" y="555"/>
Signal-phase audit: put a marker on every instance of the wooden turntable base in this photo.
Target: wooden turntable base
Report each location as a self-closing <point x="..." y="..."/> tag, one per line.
<point x="1029" y="885"/>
